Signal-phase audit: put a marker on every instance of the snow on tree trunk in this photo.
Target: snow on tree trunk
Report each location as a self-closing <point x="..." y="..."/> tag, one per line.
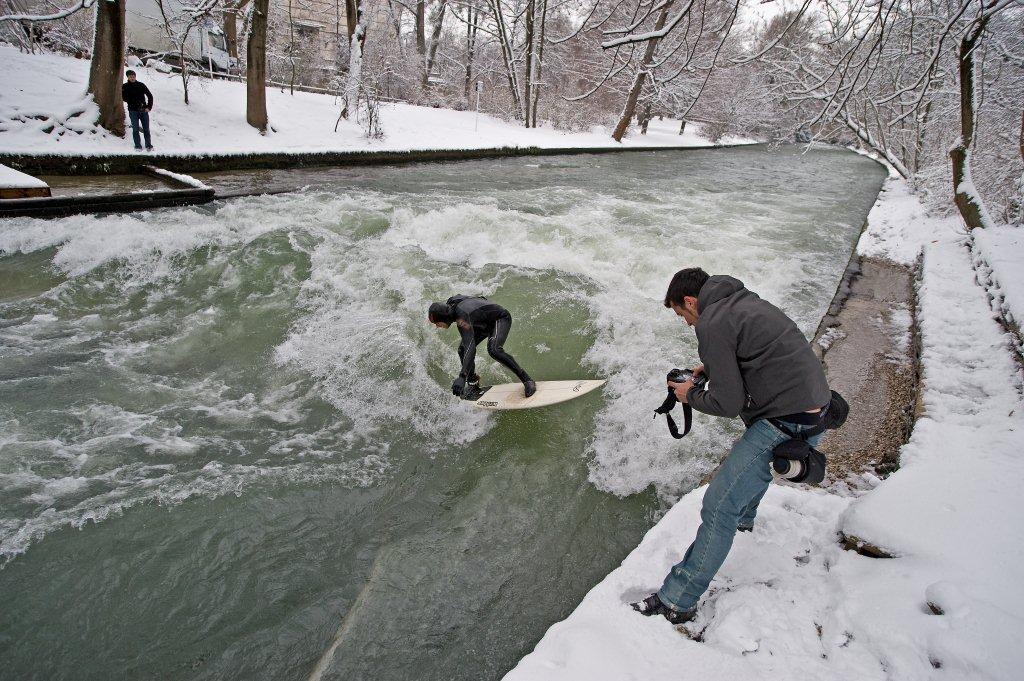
<point x="256" y="68"/>
<point x="107" y="62"/>
<point x="355" y="64"/>
<point x="965" y="194"/>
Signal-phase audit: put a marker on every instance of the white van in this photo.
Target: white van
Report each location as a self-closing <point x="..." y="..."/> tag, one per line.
<point x="205" y="46"/>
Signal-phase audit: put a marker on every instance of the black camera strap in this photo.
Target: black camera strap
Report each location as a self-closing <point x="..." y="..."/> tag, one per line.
<point x="666" y="407"/>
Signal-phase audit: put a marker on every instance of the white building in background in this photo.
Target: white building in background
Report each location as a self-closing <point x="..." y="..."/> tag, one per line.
<point x="312" y="35"/>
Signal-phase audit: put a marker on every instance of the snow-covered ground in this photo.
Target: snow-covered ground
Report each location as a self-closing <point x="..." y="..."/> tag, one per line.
<point x="790" y="603"/>
<point x="998" y="257"/>
<point x="44" y="110"/>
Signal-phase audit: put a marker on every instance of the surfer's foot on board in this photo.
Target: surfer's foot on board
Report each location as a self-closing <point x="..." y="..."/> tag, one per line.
<point x="472" y="390"/>
<point x="530" y="387"/>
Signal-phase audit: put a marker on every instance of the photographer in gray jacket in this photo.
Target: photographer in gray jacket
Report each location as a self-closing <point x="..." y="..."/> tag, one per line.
<point x="761" y="368"/>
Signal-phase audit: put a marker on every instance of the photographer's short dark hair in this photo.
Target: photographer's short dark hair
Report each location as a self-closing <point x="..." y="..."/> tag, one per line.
<point x="129" y="72"/>
<point x="686" y="282"/>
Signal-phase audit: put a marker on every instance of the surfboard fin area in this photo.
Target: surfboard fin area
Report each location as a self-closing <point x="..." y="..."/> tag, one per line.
<point x="511" y="395"/>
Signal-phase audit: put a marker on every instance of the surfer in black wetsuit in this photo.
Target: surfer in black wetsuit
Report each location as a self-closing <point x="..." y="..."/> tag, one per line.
<point x="477" y="319"/>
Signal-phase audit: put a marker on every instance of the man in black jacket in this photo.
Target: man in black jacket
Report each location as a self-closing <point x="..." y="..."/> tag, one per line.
<point x="478" y="318"/>
<point x="761" y="368"/>
<point x="140" y="102"/>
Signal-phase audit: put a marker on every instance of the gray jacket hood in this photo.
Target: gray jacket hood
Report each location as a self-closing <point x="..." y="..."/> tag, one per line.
<point x="715" y="288"/>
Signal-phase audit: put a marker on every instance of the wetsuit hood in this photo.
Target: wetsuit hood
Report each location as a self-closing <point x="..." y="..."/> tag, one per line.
<point x="441" y="312"/>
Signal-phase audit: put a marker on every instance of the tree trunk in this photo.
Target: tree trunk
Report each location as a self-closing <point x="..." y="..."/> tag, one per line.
<point x="291" y="49"/>
<point x="965" y="194"/>
<point x="641" y="77"/>
<point x="1021" y="140"/>
<point x="540" y="62"/>
<point x="435" y="40"/>
<point x="396" y="23"/>
<point x="231" y="26"/>
<point x="256" y="68"/>
<point x="507" y="54"/>
<point x="355" y="62"/>
<point x="351" y="18"/>
<point x="421" y="27"/>
<point x="185" y="73"/>
<point x="107" y="61"/>
<point x="231" y="31"/>
<point x="531" y="9"/>
<point x="472" y="16"/>
<point x="645" y="118"/>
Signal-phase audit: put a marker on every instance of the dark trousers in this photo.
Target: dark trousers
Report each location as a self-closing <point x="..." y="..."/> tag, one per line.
<point x="495" y="348"/>
<point x="140" y="118"/>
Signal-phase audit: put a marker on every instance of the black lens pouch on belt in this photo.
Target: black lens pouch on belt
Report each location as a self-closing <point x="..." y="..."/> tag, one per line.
<point x="797" y="449"/>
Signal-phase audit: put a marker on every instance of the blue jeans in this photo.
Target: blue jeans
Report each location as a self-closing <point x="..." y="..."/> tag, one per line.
<point x="140" y="118"/>
<point x="731" y="501"/>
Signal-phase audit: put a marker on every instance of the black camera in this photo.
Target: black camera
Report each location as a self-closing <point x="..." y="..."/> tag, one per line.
<point x="679" y="376"/>
<point x="684" y="375"/>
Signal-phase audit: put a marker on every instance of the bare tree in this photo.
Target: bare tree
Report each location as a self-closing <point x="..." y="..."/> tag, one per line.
<point x="179" y="21"/>
<point x="680" y="44"/>
<point x="437" y="22"/>
<point x="903" y="78"/>
<point x="629" y="108"/>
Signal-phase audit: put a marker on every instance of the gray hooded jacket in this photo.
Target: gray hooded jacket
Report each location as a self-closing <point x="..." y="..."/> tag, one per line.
<point x="758" y="363"/>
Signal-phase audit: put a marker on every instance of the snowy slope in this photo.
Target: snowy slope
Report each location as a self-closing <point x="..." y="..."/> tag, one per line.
<point x="789" y="603"/>
<point x="43" y="110"/>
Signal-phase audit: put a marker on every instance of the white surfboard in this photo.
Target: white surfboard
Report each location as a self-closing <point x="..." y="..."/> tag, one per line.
<point x="511" y="395"/>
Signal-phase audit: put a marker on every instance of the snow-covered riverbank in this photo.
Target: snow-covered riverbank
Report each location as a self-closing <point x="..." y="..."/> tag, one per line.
<point x="790" y="603"/>
<point x="44" y="110"/>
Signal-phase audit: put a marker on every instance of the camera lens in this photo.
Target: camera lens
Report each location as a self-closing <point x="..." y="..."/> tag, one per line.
<point x="788" y="469"/>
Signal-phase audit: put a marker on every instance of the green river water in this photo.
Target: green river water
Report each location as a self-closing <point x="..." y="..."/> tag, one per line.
<point x="227" y="445"/>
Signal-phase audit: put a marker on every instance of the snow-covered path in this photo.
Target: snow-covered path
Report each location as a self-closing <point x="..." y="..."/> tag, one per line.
<point x="790" y="603"/>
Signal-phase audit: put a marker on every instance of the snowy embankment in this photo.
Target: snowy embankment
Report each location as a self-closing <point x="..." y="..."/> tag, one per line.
<point x="790" y="603"/>
<point x="44" y="110"/>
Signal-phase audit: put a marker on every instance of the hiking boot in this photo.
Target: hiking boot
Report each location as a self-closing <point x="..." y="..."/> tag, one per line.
<point x="745" y="528"/>
<point x="652" y="605"/>
<point x="530" y="387"/>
